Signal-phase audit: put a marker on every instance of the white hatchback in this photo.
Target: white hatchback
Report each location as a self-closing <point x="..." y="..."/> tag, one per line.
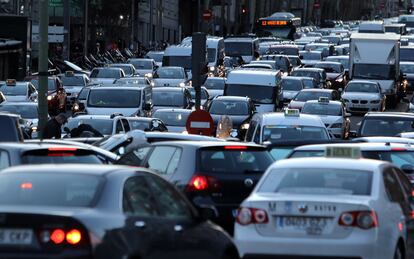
<point x="327" y="207"/>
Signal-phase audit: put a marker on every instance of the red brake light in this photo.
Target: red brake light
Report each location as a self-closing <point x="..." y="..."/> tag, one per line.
<point x="73" y="237"/>
<point x="398" y="149"/>
<point x="235" y="147"/>
<point x="203" y="183"/>
<point x="62" y="149"/>
<point x="26" y="185"/>
<point x="199" y="183"/>
<point x="246" y="216"/>
<point x="360" y="219"/>
<point x="57" y="236"/>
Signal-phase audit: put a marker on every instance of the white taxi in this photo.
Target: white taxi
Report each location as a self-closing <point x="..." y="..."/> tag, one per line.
<point x="328" y="207"/>
<point x="332" y="114"/>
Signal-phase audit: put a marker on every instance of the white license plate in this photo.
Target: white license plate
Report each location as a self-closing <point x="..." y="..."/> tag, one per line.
<point x="310" y="225"/>
<point x="16" y="236"/>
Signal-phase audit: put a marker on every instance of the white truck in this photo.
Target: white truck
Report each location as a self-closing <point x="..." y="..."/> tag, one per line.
<point x="376" y="57"/>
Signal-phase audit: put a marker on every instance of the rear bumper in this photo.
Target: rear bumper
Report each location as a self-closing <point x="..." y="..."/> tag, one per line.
<point x="64" y="255"/>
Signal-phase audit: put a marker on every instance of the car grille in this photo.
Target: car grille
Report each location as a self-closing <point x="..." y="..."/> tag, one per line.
<point x="360" y="101"/>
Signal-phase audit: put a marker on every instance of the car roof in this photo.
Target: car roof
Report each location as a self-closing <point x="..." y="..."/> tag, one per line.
<point x="311" y="69"/>
<point x="407" y="63"/>
<point x="317" y="90"/>
<point x="92" y="117"/>
<point x="141" y="59"/>
<point x="121" y="87"/>
<point x="362" y="82"/>
<point x="231" y="98"/>
<point x="329" y="63"/>
<point x="166" y="110"/>
<point x="212" y="143"/>
<point x="364" y="146"/>
<point x="298" y="78"/>
<point x="279" y="118"/>
<point x="334" y="163"/>
<point x="390" y="114"/>
<point x="338" y="103"/>
<point x="168" y="89"/>
<point x="337" y="57"/>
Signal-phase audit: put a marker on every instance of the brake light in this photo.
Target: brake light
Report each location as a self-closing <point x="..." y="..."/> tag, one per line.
<point x="73" y="236"/>
<point x="57" y="236"/>
<point x="62" y="149"/>
<point x="360" y="219"/>
<point x="246" y="216"/>
<point x="60" y="154"/>
<point x="26" y="185"/>
<point x="235" y="147"/>
<point x="398" y="149"/>
<point x="203" y="183"/>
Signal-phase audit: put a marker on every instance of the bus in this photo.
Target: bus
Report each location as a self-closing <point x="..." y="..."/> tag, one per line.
<point x="282" y="25"/>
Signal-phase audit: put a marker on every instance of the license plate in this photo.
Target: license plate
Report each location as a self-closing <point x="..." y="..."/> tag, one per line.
<point x="310" y="225"/>
<point x="16" y="236"/>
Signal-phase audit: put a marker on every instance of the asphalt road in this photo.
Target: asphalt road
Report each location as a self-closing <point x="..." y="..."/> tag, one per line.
<point x="356" y="119"/>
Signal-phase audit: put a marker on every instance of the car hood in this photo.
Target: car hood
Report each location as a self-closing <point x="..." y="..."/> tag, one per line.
<point x="289" y="94"/>
<point x="168" y="81"/>
<point x="109" y="111"/>
<point x="361" y="96"/>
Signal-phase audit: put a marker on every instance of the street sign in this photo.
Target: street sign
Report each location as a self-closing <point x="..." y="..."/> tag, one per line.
<point x="200" y="122"/>
<point x="207" y="15"/>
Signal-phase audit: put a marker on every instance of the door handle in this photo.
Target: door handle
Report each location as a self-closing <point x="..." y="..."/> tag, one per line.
<point x="178" y="228"/>
<point x="140" y="224"/>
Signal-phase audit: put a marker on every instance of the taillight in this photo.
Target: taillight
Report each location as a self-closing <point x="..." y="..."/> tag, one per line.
<point x="59" y="236"/>
<point x="360" y="219"/>
<point x="203" y="183"/>
<point x="246" y="216"/>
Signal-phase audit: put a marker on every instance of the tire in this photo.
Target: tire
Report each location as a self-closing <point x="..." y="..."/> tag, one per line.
<point x="398" y="254"/>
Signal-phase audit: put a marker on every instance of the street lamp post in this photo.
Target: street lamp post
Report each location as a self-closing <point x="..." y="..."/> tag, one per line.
<point x="85" y="31"/>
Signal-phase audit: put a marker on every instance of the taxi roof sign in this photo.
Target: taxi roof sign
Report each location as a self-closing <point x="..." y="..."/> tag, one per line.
<point x="69" y="73"/>
<point x="11" y="82"/>
<point x="343" y="152"/>
<point x="323" y="99"/>
<point x="292" y="113"/>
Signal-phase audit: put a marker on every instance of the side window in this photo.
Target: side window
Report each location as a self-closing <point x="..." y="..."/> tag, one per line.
<point x="119" y="127"/>
<point x="138" y="199"/>
<point x="392" y="186"/>
<point x="125" y="123"/>
<point x="170" y="203"/>
<point x="257" y="134"/>
<point x="164" y="159"/>
<point x="405" y="183"/>
<point x="4" y="160"/>
<point x="135" y="157"/>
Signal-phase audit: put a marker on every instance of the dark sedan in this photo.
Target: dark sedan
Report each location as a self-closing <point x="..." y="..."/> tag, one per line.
<point x="80" y="211"/>
<point x="407" y="68"/>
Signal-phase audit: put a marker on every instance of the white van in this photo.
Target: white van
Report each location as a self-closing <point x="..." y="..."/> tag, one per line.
<point x="371" y="27"/>
<point x="262" y="86"/>
<point x="178" y="56"/>
<point x="245" y="47"/>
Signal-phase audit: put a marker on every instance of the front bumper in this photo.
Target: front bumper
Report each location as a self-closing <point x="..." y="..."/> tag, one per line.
<point x="362" y="107"/>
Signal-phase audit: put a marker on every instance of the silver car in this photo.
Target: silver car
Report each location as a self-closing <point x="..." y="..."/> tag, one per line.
<point x="363" y="96"/>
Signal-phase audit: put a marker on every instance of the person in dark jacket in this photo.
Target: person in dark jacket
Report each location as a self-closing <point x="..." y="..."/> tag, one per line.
<point x="53" y="128"/>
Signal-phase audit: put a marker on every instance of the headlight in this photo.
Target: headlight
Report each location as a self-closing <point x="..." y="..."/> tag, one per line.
<point x="76" y="107"/>
<point x="340" y="79"/>
<point x="49" y="97"/>
<point x="211" y="69"/>
<point x="34" y="129"/>
<point x="375" y="101"/>
<point x="182" y="84"/>
<point x="245" y="126"/>
<point x="152" y="84"/>
<point x="149" y="75"/>
<point x="336" y="125"/>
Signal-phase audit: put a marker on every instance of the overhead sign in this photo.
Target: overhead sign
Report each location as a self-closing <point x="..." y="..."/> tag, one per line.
<point x="274" y="23"/>
<point x="200" y="122"/>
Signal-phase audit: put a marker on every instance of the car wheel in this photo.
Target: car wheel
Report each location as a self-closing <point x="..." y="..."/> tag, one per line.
<point x="398" y="253"/>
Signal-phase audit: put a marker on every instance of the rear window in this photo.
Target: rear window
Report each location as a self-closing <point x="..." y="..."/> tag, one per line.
<point x="49" y="189"/>
<point x="60" y="156"/>
<point x="316" y="181"/>
<point x="233" y="160"/>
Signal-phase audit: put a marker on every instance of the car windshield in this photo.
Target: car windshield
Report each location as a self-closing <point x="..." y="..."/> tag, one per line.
<point x="50" y="84"/>
<point x="141" y="64"/>
<point x="311" y="56"/>
<point x="83" y="94"/>
<point x="193" y="92"/>
<point x="407" y="69"/>
<point x="219" y="107"/>
<point x="390" y="126"/>
<point x="49" y="189"/>
<point x="309" y="83"/>
<point x="303" y="73"/>
<point x="304" y="96"/>
<point x="25" y="111"/>
<point x="239" y="48"/>
<point x="211" y="55"/>
<point x="322" y="109"/>
<point x="261" y="94"/>
<point x="343" y="61"/>
<point x="105" y="73"/>
<point x="291" y="85"/>
<point x="73" y="81"/>
<point x="135" y="81"/>
<point x="214" y="84"/>
<point x="279" y="153"/>
<point x="406" y="54"/>
<point x="177" y="61"/>
<point x="127" y="69"/>
<point x="373" y="71"/>
<point x="16" y="90"/>
<point x="172" y="73"/>
<point x="361" y="88"/>
<point x="277" y="133"/>
<point x="168" y="98"/>
<point x="114" y="98"/>
<point x="243" y="161"/>
<point x="104" y="126"/>
<point x="317" y="181"/>
<point x="169" y="118"/>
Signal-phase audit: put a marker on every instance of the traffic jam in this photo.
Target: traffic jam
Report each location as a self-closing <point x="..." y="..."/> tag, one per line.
<point x="293" y="147"/>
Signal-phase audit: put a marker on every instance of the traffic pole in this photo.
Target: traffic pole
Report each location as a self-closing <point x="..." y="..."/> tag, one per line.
<point x="198" y="63"/>
<point x="43" y="63"/>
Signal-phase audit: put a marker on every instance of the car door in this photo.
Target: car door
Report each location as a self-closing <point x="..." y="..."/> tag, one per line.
<point x="192" y="237"/>
<point x="146" y="233"/>
<point x="408" y="209"/>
